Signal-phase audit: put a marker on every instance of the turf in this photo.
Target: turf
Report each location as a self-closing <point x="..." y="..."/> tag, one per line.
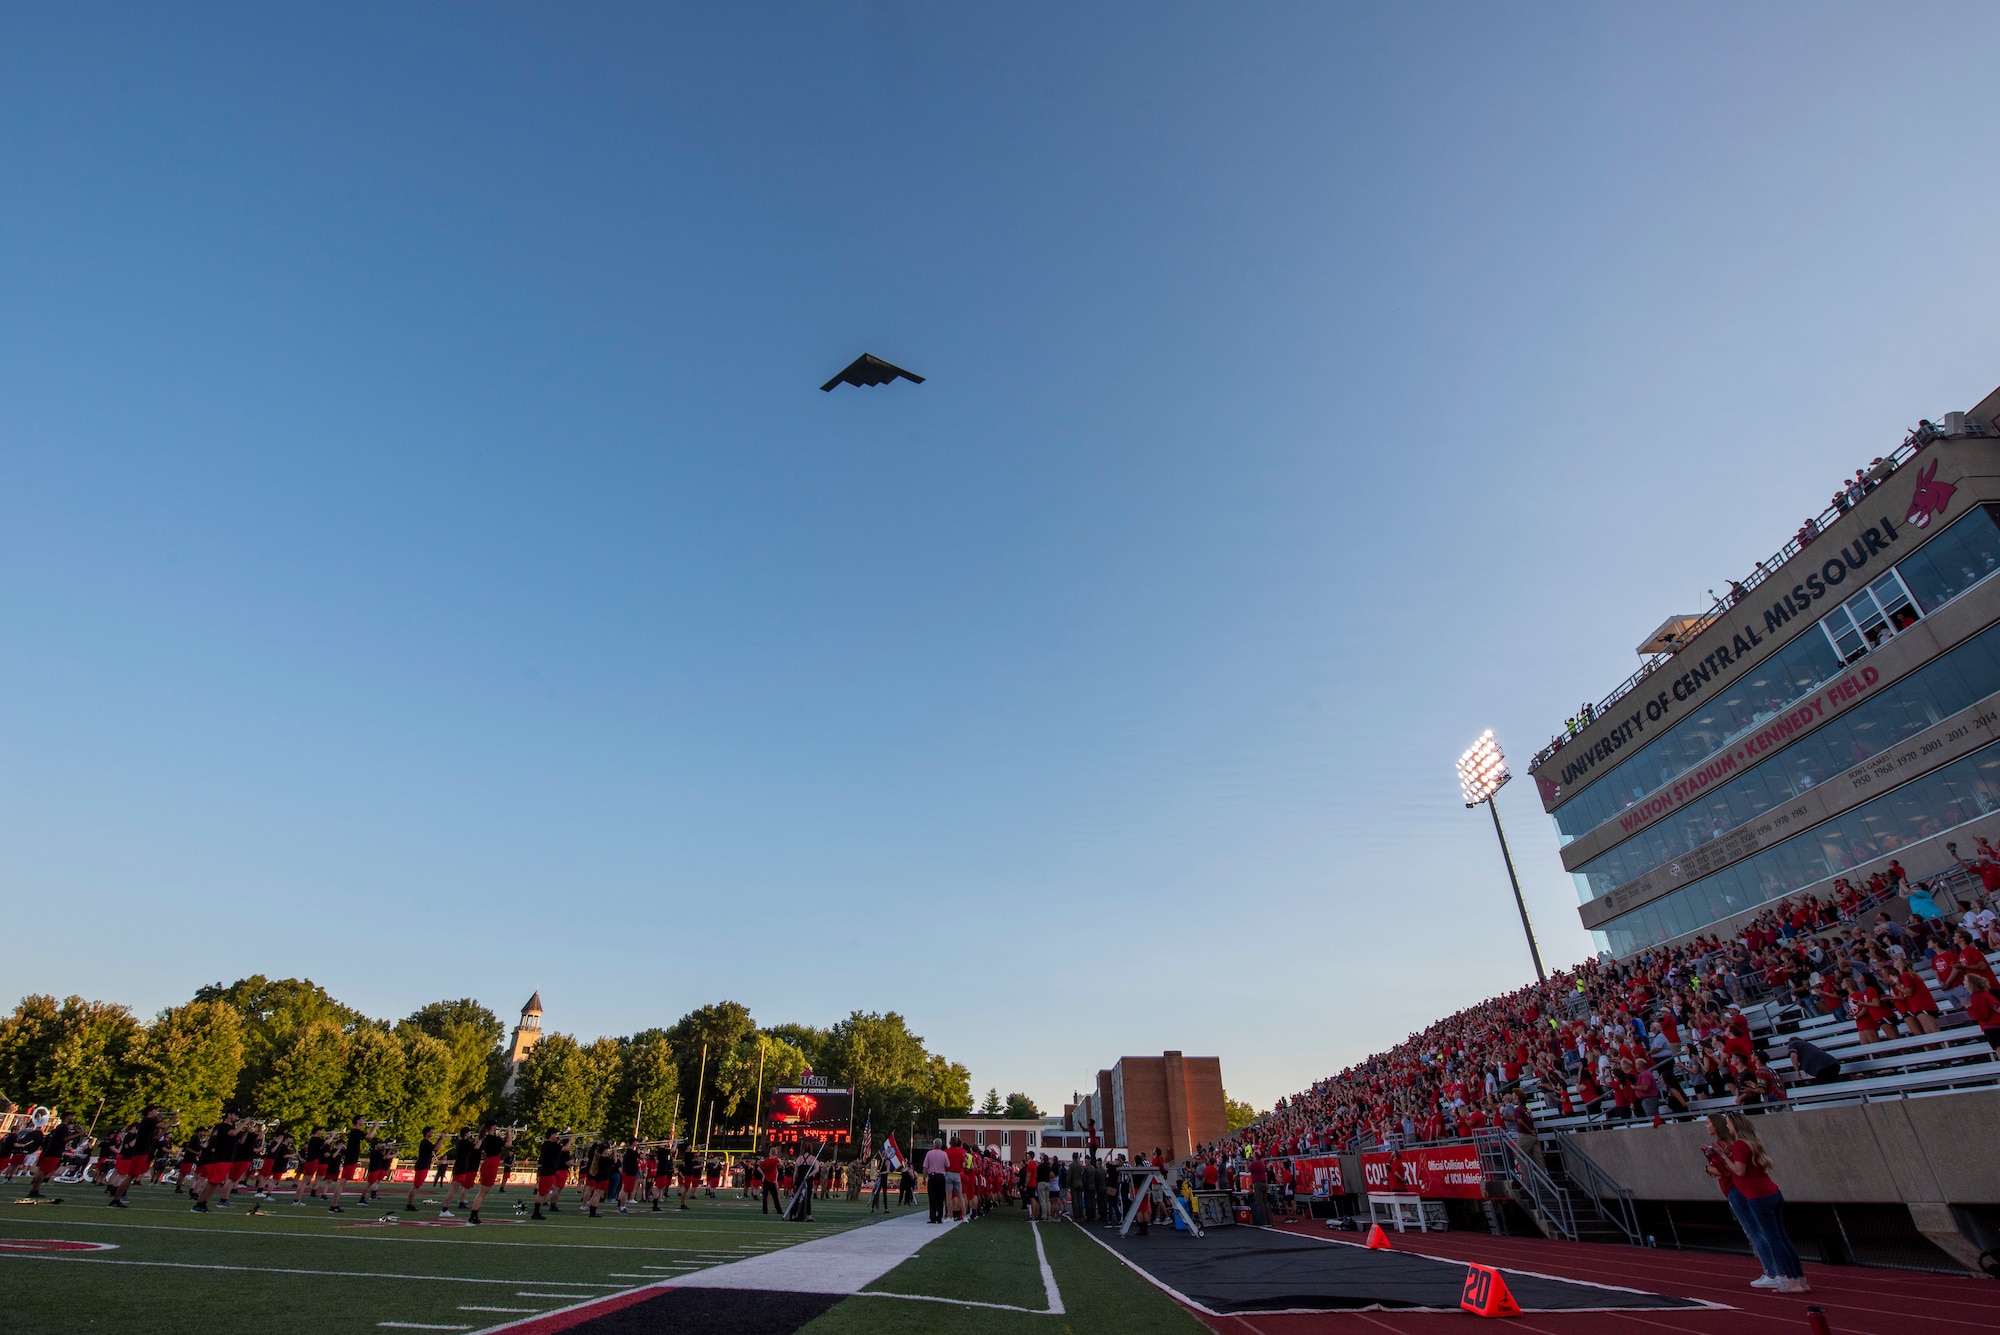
<point x="301" y="1271"/>
<point x="993" y="1261"/>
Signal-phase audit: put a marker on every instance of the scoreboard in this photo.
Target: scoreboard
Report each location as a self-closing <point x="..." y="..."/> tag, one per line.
<point x="813" y="1113"/>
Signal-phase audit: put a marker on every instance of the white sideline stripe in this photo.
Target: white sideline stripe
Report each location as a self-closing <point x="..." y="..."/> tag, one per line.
<point x="1048" y="1275"/>
<point x="622" y="1288"/>
<point x="418" y="1325"/>
<point x="469" y="1307"/>
<point x="843" y="1263"/>
<point x="288" y="1270"/>
<point x="432" y="1237"/>
<point x="952" y="1302"/>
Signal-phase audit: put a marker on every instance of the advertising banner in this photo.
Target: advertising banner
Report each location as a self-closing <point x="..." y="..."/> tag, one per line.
<point x="1445" y="1171"/>
<point x="1318" y="1176"/>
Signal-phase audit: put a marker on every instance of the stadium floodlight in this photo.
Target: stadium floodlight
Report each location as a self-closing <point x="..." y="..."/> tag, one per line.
<point x="1482" y="772"/>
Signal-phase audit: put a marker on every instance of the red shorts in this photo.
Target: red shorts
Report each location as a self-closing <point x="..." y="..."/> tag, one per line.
<point x="239" y="1171"/>
<point x="691" y="1179"/>
<point x="12" y="1162"/>
<point x="310" y="1170"/>
<point x="600" y="1183"/>
<point x="274" y="1168"/>
<point x="713" y="1179"/>
<point x="135" y="1165"/>
<point x="376" y="1175"/>
<point x="489" y="1170"/>
<point x="465" y="1179"/>
<point x="48" y="1163"/>
<point x="350" y="1172"/>
<point x="106" y="1164"/>
<point x="218" y="1173"/>
<point x="549" y="1182"/>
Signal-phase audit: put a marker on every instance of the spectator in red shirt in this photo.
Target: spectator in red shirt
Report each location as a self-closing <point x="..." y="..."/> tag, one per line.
<point x="1984" y="1008"/>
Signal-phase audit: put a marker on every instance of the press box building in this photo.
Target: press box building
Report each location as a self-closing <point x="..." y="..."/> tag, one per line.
<point x="1840" y="710"/>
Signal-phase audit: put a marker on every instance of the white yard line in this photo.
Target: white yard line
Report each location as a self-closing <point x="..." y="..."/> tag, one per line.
<point x="952" y="1302"/>
<point x="1048" y="1275"/>
<point x="287" y="1270"/>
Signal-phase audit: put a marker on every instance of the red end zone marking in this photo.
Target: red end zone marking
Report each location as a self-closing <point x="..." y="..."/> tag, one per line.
<point x="53" y="1245"/>
<point x="564" y="1318"/>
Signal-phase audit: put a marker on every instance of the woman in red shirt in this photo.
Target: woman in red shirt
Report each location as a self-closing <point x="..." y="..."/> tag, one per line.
<point x="1984" y="1008"/>
<point x="1742" y="1168"/>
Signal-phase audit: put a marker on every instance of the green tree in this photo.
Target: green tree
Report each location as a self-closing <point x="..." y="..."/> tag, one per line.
<point x="603" y="1062"/>
<point x="190" y="1060"/>
<point x="720" y="1029"/>
<point x="273" y="1012"/>
<point x="427" y="1085"/>
<point x="376" y="1071"/>
<point x="648" y="1085"/>
<point x="553" y="1090"/>
<point x="70" y="1055"/>
<point x="895" y="1078"/>
<point x="1237" y="1113"/>
<point x="306" y="1078"/>
<point x="810" y="1042"/>
<point x="1020" y="1105"/>
<point x="478" y="1066"/>
<point x="993" y="1107"/>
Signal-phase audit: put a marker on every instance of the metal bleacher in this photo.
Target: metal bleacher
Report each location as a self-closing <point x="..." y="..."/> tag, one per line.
<point x="1956" y="1057"/>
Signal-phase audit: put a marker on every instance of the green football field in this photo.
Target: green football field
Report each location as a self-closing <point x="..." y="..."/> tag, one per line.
<point x="298" y="1270"/>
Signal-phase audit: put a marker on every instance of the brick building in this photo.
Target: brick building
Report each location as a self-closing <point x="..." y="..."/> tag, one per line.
<point x="1169" y="1102"/>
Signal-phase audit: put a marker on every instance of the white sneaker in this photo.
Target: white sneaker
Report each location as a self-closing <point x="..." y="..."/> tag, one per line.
<point x="446" y="1214"/>
<point x="1798" y="1285"/>
<point x="1766" y="1282"/>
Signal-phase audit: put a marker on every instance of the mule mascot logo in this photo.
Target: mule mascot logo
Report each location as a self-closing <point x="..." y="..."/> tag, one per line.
<point x="1930" y="498"/>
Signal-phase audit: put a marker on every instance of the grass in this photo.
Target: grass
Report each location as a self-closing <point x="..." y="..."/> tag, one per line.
<point x="994" y="1261"/>
<point x="301" y="1271"/>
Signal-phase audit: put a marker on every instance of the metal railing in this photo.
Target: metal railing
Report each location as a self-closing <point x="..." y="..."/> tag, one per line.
<point x="1501" y="1159"/>
<point x="1739" y="589"/>
<point x="1613" y="1202"/>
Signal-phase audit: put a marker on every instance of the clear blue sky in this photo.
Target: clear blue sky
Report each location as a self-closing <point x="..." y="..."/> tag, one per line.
<point x="417" y="505"/>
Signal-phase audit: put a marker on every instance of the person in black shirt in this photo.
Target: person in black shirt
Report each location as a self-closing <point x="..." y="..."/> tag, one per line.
<point x="216" y="1160"/>
<point x="312" y="1163"/>
<point x="332" y="1157"/>
<point x="602" y="1164"/>
<point x="551" y="1172"/>
<point x="381" y="1152"/>
<point x="663" y="1173"/>
<point x="351" y="1159"/>
<point x="190" y="1156"/>
<point x="426" y="1153"/>
<point x="137" y="1156"/>
<point x="494" y="1146"/>
<point x="690" y="1174"/>
<point x="464" y="1171"/>
<point x="628" y="1177"/>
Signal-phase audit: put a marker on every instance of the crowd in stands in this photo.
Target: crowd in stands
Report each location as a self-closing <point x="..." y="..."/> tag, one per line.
<point x="1652" y="1035"/>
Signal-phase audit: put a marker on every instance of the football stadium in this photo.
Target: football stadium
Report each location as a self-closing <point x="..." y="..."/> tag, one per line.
<point x="620" y="616"/>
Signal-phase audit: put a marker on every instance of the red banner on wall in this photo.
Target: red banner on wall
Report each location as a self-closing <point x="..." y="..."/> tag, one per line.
<point x="1317" y="1176"/>
<point x="1448" y="1171"/>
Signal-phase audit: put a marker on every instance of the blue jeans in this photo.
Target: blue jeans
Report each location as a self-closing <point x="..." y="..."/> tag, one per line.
<point x="1763" y="1219"/>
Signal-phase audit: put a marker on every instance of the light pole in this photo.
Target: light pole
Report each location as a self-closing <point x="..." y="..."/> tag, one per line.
<point x="1482" y="771"/>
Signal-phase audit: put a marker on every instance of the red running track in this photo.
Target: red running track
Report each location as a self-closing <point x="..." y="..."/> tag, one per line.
<point x="1857" y="1301"/>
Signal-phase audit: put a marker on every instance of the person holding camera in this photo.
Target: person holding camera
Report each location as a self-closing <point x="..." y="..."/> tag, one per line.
<point x="1742" y="1169"/>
